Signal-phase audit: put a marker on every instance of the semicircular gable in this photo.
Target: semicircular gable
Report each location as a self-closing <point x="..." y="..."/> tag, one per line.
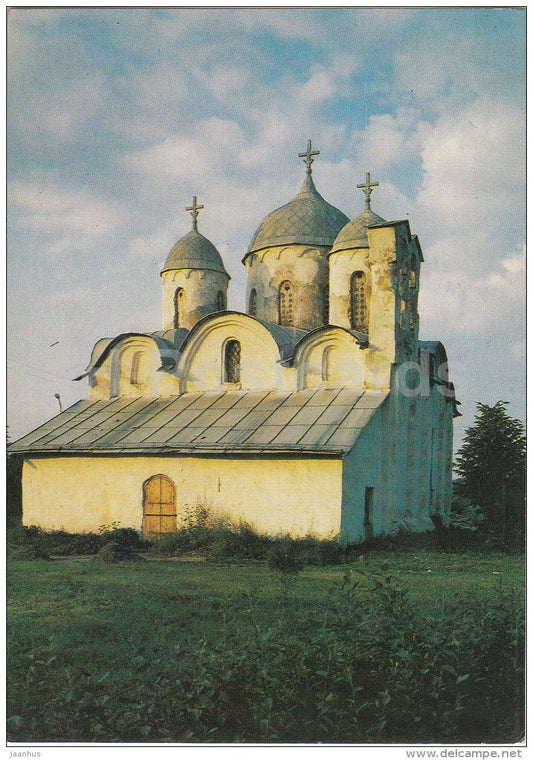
<point x="329" y="356"/>
<point x="201" y="366"/>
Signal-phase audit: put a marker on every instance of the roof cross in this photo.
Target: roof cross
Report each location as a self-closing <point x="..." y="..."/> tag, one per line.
<point x="308" y="154"/>
<point x="195" y="210"/>
<point x="367" y="188"/>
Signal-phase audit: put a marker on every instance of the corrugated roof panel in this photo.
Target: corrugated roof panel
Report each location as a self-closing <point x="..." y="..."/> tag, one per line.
<point x="348" y="396"/>
<point x="317" y="435"/>
<point x="187" y="435"/>
<point x="249" y="400"/>
<point x="372" y="399"/>
<point x="307" y="416"/>
<point x="234" y="436"/>
<point x="207" y="421"/>
<point x="209" y="435"/>
<point x="230" y="418"/>
<point x="332" y="415"/>
<point x="136" y="435"/>
<point x="226" y="401"/>
<point x="291" y="434"/>
<point x="208" y="417"/>
<point x="264" y="434"/>
<point x="282" y="415"/>
<point x="358" y="418"/>
<point x="324" y="397"/>
<point x="185" y="417"/>
<point x="253" y="420"/>
<point x="61" y="421"/>
<point x="272" y="400"/>
<point x="344" y="438"/>
<point x="203" y="399"/>
<point x="301" y="397"/>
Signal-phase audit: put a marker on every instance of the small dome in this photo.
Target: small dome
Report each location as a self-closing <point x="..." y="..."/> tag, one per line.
<point x="194" y="251"/>
<point x="307" y="219"/>
<point x="354" y="234"/>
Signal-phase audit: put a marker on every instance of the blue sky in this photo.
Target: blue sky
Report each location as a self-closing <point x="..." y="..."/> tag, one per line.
<point x="117" y="117"/>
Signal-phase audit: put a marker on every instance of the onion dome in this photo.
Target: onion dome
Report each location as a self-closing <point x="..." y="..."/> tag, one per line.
<point x="355" y="233"/>
<point x="193" y="250"/>
<point x="307" y="219"/>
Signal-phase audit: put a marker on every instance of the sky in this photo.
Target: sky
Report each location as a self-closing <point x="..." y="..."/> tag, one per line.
<point x="117" y="117"/>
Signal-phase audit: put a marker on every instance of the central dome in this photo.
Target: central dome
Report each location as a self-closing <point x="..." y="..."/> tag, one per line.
<point x="307" y="219"/>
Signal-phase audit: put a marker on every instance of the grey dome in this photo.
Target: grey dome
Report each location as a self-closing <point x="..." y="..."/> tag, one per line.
<point x="194" y="251"/>
<point x="307" y="219"/>
<point x="354" y="234"/>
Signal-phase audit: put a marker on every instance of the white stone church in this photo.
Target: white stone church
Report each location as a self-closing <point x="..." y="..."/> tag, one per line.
<point x="318" y="411"/>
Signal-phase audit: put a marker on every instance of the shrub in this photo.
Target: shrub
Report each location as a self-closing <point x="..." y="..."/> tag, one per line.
<point x="116" y="552"/>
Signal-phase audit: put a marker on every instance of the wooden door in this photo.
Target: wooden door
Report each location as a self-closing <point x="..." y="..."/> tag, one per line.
<point x="159" y="506"/>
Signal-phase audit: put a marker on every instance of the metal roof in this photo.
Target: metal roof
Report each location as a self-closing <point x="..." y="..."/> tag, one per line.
<point x="319" y="421"/>
<point x="307" y="219"/>
<point x="355" y="233"/>
<point x="194" y="251"/>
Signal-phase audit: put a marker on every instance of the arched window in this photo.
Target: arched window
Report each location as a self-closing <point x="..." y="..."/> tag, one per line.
<point x="232" y="362"/>
<point x="326" y="363"/>
<point x="220" y="301"/>
<point x="159" y="505"/>
<point x="286" y="303"/>
<point x="358" y="302"/>
<point x="139" y="368"/>
<point x="179" y="305"/>
<point x="252" y="305"/>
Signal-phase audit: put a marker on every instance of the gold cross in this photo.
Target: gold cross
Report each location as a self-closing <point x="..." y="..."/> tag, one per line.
<point x="307" y="156"/>
<point x="195" y="210"/>
<point x="367" y="188"/>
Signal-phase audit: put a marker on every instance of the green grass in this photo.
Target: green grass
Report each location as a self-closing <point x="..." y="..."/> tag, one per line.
<point x="169" y="651"/>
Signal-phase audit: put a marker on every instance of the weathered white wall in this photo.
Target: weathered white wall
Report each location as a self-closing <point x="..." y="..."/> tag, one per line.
<point x="405" y="454"/>
<point x="307" y="270"/>
<point x="80" y="494"/>
<point x="113" y="377"/>
<point x="200" y="288"/>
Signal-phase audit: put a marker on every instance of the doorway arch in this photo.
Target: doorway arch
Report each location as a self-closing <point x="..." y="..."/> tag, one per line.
<point x="159" y="505"/>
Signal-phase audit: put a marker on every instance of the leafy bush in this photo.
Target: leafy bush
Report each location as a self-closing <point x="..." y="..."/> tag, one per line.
<point x="61" y="543"/>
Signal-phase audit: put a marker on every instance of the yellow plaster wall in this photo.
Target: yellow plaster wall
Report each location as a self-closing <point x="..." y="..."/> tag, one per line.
<point x="79" y="494"/>
<point x="201" y="366"/>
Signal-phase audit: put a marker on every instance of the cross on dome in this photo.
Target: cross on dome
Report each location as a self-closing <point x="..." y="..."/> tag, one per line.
<point x="195" y="210"/>
<point x="307" y="155"/>
<point x="367" y="187"/>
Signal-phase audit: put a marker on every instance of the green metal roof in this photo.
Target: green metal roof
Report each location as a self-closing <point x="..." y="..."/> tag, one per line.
<point x="355" y="233"/>
<point x="318" y="421"/>
<point x="194" y="251"/>
<point x="307" y="219"/>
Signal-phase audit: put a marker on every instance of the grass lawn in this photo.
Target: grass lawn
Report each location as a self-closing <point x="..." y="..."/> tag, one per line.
<point x="168" y="651"/>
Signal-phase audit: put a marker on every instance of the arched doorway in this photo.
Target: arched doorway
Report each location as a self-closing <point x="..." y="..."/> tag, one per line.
<point x="159" y="506"/>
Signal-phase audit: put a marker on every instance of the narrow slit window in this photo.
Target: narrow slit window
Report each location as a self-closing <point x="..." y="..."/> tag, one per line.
<point x="252" y="306"/>
<point x="232" y="362"/>
<point x="136" y="368"/>
<point x="358" y="302"/>
<point x="179" y="305"/>
<point x="220" y="301"/>
<point x="286" y="304"/>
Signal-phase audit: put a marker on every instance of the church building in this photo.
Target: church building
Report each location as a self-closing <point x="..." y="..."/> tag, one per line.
<point x="318" y="411"/>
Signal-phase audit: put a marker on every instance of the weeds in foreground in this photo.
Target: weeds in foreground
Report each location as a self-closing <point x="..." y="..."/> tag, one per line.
<point x="372" y="669"/>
